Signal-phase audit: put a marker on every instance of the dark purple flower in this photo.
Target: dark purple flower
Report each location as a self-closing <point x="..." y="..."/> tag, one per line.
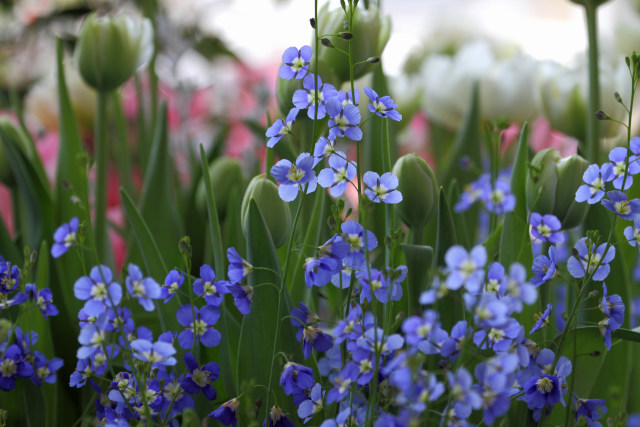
<point x="242" y="297"/>
<point x="541" y="320"/>
<point x="207" y="286"/>
<point x="295" y="379"/>
<point x="13" y="366"/>
<point x="591" y="409"/>
<point x="544" y="268"/>
<point x="172" y="283"/>
<point x="227" y="413"/>
<point x="200" y="378"/>
<point x="382" y="106"/>
<point x="278" y="418"/>
<point x="64" y="237"/>
<point x="45" y="370"/>
<point x="238" y="267"/>
<point x="295" y="62"/>
<point x="381" y="188"/>
<point x="542" y="390"/>
<point x="9" y="277"/>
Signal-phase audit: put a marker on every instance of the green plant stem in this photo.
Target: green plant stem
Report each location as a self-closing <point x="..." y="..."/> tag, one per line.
<point x="101" y="154"/>
<point x="592" y="143"/>
<point x="123" y="151"/>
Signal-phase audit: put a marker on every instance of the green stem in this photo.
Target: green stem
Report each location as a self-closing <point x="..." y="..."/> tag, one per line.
<point x="592" y="148"/>
<point x="101" y="155"/>
<point x="123" y="151"/>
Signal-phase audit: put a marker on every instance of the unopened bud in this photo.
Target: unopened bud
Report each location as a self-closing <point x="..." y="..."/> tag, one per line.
<point x="617" y="96"/>
<point x="185" y="246"/>
<point x="326" y="42"/>
<point x="373" y="60"/>
<point x="601" y="115"/>
<point x="312" y="21"/>
<point x="345" y="35"/>
<point x="274" y="210"/>
<point x="417" y="183"/>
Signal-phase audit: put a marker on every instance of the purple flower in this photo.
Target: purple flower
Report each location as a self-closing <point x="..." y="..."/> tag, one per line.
<point x="45" y="370"/>
<point x="44" y="301"/>
<point x="238" y="267"/>
<point x="200" y="378"/>
<point x="295" y="379"/>
<point x="466" y="268"/>
<point x="358" y="240"/>
<point x="199" y="324"/>
<point x="158" y="353"/>
<point x="207" y="286"/>
<point x="338" y="175"/>
<point x="465" y="397"/>
<point x="343" y="120"/>
<point x="618" y="159"/>
<point x="619" y="203"/>
<point x="544" y="268"/>
<point x="278" y="418"/>
<point x="591" y="261"/>
<point x="13" y="366"/>
<point x="591" y="409"/>
<point x="295" y="63"/>
<point x="307" y="97"/>
<point x="499" y="199"/>
<point x="172" y="282"/>
<point x="64" y="237"/>
<point x="291" y="177"/>
<point x="613" y="307"/>
<point x="342" y="382"/>
<point x="541" y="320"/>
<point x="318" y="271"/>
<point x="323" y="148"/>
<point x="280" y="128"/>
<point x="313" y="405"/>
<point x="145" y="289"/>
<point x="382" y="106"/>
<point x="477" y="190"/>
<point x="227" y="413"/>
<point x="312" y="337"/>
<point x="382" y="188"/>
<point x="242" y="297"/>
<point x="546" y="228"/>
<point x="595" y="178"/>
<point x="542" y="390"/>
<point x="98" y="290"/>
<point x="9" y="277"/>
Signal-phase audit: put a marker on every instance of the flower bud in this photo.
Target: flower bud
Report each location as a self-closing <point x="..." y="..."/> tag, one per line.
<point x="370" y="35"/>
<point x="226" y="175"/>
<point x="417" y="183"/>
<point x="551" y="186"/>
<point x="274" y="210"/>
<point x="111" y="49"/>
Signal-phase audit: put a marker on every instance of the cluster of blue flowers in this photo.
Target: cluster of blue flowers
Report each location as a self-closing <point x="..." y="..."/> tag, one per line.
<point x="495" y="195"/>
<point x="18" y="355"/>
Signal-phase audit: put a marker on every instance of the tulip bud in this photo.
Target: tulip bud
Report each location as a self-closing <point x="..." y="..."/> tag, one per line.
<point x="111" y="49"/>
<point x="274" y="210"/>
<point x="417" y="183"/>
<point x="226" y="175"/>
<point x="370" y="35"/>
<point x="551" y="186"/>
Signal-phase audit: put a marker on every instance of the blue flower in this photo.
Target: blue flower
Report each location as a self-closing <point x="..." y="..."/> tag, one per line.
<point x="227" y="413"/>
<point x="466" y="268"/>
<point x="64" y="237"/>
<point x="306" y="97"/>
<point x="280" y="128"/>
<point x="98" y="290"/>
<point x="238" y="267"/>
<point x="13" y="366"/>
<point x="207" y="286"/>
<point x="172" y="282"/>
<point x="92" y="337"/>
<point x="499" y="199"/>
<point x="382" y="106"/>
<point x="318" y="271"/>
<point x="477" y="190"/>
<point x="358" y="239"/>
<point x="323" y="148"/>
<point x="278" y="418"/>
<point x="308" y="408"/>
<point x="199" y="326"/>
<point x="200" y="378"/>
<point x="589" y="259"/>
<point x="542" y="390"/>
<point x="17" y="299"/>
<point x="310" y="336"/>
<point x="9" y="277"/>
<point x="494" y="388"/>
<point x="595" y="178"/>
<point x="291" y="177"/>
<point x="542" y="320"/>
<point x="295" y="62"/>
<point x="465" y="397"/>
<point x="44" y="301"/>
<point x="158" y="353"/>
<point x="343" y="120"/>
<point x="544" y="268"/>
<point x="632" y="233"/>
<point x="591" y="409"/>
<point x="546" y="228"/>
<point x="618" y="159"/>
<point x="145" y="289"/>
<point x="382" y="188"/>
<point x="242" y="297"/>
<point x="613" y="307"/>
<point x="338" y="175"/>
<point x="453" y="345"/>
<point x="619" y="203"/>
<point x="45" y="370"/>
<point x="342" y="382"/>
<point x="295" y="380"/>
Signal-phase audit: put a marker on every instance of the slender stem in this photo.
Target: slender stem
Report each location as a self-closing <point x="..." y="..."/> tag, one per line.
<point x="101" y="154"/>
<point x="592" y="148"/>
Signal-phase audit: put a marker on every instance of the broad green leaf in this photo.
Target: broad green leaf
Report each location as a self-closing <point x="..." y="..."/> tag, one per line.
<point x="9" y="250"/>
<point x="419" y="260"/>
<point x="446" y="232"/>
<point x="229" y="333"/>
<point x="628" y="334"/>
<point x="266" y="330"/>
<point x="515" y="244"/>
<point x="157" y="191"/>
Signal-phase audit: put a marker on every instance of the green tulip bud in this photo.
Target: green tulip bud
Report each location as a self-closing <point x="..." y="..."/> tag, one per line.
<point x="111" y="49"/>
<point x="552" y="184"/>
<point x="226" y="175"/>
<point x="370" y="35"/>
<point x="417" y="183"/>
<point x="274" y="210"/>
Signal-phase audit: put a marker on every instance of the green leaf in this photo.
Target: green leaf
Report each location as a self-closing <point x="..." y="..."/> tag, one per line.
<point x="515" y="244"/>
<point x="446" y="232"/>
<point x="227" y="323"/>
<point x="628" y="334"/>
<point x="261" y="335"/>
<point x="419" y="260"/>
<point x="157" y="190"/>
